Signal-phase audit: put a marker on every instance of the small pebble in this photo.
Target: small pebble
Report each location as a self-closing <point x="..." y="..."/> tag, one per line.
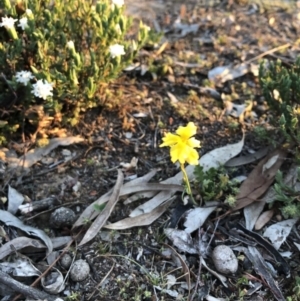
<point x="62" y="217"/>
<point x="224" y="259"/>
<point x="80" y="270"/>
<point x="66" y="261"/>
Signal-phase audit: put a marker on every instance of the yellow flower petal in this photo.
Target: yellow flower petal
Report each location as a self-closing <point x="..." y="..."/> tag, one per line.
<point x="170" y="139"/>
<point x="186" y="132"/>
<point x="193" y="142"/>
<point x="193" y="158"/>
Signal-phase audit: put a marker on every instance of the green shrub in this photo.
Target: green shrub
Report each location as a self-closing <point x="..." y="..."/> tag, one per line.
<point x="60" y="56"/>
<point x="281" y="89"/>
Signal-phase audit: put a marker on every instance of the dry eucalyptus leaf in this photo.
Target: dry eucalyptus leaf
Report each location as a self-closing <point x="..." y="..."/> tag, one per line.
<point x="53" y="283"/>
<point x="181" y="240"/>
<point x="141" y="220"/>
<point x="184" y="266"/>
<point x="10" y="220"/>
<point x="264" y="218"/>
<point x="278" y="233"/>
<point x="37" y="154"/>
<point x="19" y="243"/>
<point x="258" y="181"/>
<point x="252" y="213"/>
<point x="196" y="217"/>
<point x="106" y="212"/>
<point x="20" y="267"/>
<point x="89" y="212"/>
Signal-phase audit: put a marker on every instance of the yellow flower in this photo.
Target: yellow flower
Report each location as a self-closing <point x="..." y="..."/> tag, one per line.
<point x="182" y="144"/>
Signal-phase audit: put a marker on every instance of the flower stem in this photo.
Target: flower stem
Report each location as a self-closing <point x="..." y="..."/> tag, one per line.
<point x="187" y="182"/>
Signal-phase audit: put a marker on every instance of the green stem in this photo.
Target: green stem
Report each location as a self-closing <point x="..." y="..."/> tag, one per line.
<point x="186" y="180"/>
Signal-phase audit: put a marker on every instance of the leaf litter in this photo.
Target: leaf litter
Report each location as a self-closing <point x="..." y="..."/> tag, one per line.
<point x="145" y="213"/>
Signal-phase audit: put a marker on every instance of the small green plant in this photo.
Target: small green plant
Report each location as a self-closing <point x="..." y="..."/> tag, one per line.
<point x="281" y="89"/>
<point x="60" y="57"/>
<point x="73" y="297"/>
<point x="215" y="183"/>
<point x="288" y="196"/>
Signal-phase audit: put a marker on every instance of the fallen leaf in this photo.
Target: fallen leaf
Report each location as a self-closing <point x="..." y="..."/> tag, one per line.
<point x="141" y="220"/>
<point x="10" y="220"/>
<point x="37" y="154"/>
<point x="181" y="240"/>
<point x="249" y="158"/>
<point x="105" y="213"/>
<point x="258" y="181"/>
<point x="20" y="267"/>
<point x="184" y="266"/>
<point x="196" y="217"/>
<point x="223" y="74"/>
<point x="252" y="213"/>
<point x="264" y="218"/>
<point x="90" y="210"/>
<point x="262" y="269"/>
<point x="17" y="244"/>
<point x="278" y="233"/>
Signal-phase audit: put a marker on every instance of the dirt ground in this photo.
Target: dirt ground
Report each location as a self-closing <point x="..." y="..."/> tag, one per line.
<point x="134" y="264"/>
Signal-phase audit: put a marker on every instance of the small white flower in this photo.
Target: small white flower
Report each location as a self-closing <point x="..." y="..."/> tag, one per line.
<point x="118" y="2"/>
<point x="42" y="89"/>
<point x="70" y="45"/>
<point x="116" y="50"/>
<point x="24" y="77"/>
<point x="8" y="22"/>
<point x="23" y="23"/>
<point x="28" y="12"/>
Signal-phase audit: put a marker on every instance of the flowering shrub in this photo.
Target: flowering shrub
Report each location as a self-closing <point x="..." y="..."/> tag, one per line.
<point x="61" y="56"/>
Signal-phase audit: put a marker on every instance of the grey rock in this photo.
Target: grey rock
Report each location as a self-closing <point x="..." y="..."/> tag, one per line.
<point x="80" y="270"/>
<point x="225" y="260"/>
<point x="62" y="217"/>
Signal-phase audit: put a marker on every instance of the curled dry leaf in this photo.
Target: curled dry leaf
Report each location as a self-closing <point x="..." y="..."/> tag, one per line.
<point x="10" y="220"/>
<point x="53" y="283"/>
<point x="19" y="243"/>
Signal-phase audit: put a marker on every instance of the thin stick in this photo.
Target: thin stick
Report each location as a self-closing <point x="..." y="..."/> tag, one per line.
<point x="268" y="52"/>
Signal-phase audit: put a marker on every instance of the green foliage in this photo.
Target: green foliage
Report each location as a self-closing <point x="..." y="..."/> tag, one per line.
<point x="215" y="183"/>
<point x="281" y="89"/>
<point x="70" y="47"/>
<point x="296" y="290"/>
<point x="288" y="196"/>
